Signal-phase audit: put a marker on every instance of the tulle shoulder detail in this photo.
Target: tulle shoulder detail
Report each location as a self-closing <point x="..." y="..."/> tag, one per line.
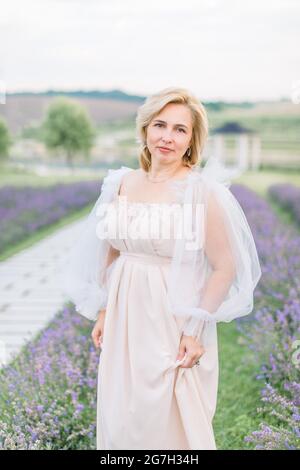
<point x="180" y="185"/>
<point x="83" y="271"/>
<point x="111" y="182"/>
<point x="114" y="175"/>
<point x="214" y="172"/>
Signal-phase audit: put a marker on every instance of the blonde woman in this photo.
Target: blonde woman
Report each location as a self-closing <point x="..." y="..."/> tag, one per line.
<point x="155" y="298"/>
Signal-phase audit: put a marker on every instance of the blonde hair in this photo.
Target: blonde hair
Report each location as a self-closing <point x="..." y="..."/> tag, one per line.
<point x="154" y="105"/>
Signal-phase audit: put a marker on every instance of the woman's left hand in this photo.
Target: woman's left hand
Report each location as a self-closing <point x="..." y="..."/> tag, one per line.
<point x="193" y="350"/>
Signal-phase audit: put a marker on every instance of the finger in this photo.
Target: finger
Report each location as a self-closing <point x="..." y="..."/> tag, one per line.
<point x="96" y="340"/>
<point x="186" y="365"/>
<point x="181" y="351"/>
<point x="180" y="355"/>
<point x="96" y="335"/>
<point x="188" y="361"/>
<point x="201" y="353"/>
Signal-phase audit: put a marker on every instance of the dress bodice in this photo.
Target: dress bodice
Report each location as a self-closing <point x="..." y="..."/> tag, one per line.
<point x="143" y="227"/>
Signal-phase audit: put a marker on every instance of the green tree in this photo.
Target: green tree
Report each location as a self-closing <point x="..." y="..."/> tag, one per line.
<point x="67" y="126"/>
<point x="5" y="139"/>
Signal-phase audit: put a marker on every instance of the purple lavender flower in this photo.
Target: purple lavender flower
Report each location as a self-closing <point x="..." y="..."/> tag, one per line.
<point x="24" y="210"/>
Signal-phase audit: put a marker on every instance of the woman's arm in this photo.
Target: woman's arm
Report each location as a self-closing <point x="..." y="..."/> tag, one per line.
<point x="98" y="330"/>
<point x="220" y="256"/>
<point x="112" y="255"/>
<point x="219" y="253"/>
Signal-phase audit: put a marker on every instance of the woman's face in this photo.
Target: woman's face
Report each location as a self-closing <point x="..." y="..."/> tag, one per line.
<point x="171" y="128"/>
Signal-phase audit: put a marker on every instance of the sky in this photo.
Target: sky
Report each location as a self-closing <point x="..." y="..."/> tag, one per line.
<point x="228" y="50"/>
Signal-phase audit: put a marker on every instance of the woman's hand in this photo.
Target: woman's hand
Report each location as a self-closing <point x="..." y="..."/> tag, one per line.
<point x="98" y="330"/>
<point x="193" y="350"/>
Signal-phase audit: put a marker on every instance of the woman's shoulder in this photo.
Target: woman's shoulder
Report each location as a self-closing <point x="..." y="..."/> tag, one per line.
<point x="117" y="176"/>
<point x="113" y="174"/>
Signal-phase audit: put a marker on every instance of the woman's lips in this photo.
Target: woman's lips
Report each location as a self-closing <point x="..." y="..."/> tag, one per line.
<point x="164" y="150"/>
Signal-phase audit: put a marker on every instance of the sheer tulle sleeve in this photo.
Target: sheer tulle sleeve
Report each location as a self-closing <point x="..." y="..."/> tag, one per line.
<point x="220" y="257"/>
<point x="86" y="273"/>
<point x="229" y="256"/>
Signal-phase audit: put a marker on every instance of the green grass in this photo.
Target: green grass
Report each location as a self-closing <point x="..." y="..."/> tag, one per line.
<point x="279" y="121"/>
<point x="238" y="393"/>
<point x="18" y="177"/>
<point x="259" y="181"/>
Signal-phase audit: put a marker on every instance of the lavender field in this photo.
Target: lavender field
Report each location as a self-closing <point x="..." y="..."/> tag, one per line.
<point x="287" y="196"/>
<point x="25" y="210"/>
<point x="48" y="394"/>
<point x="273" y="331"/>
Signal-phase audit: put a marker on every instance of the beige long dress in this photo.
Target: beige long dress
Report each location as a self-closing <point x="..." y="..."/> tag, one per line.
<point x="145" y="400"/>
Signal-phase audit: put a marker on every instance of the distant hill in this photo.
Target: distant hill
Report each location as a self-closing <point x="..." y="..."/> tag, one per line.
<point x="26" y="109"/>
<point x="112" y="94"/>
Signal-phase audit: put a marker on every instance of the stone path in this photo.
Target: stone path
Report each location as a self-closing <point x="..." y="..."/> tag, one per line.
<point x="30" y="295"/>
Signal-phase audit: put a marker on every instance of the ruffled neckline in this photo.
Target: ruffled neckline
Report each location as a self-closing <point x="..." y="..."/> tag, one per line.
<point x="179" y="185"/>
<point x="146" y="203"/>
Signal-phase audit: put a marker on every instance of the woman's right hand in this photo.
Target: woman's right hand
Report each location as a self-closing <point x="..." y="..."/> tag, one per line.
<point x="98" y="330"/>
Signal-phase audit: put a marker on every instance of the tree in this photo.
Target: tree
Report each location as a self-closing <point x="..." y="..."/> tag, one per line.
<point x="5" y="139"/>
<point x="67" y="126"/>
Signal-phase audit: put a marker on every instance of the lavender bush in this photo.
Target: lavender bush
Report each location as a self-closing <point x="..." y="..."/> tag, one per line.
<point x="273" y="330"/>
<point x="288" y="197"/>
<point x="48" y="393"/>
<point x="282" y="411"/>
<point x="25" y="210"/>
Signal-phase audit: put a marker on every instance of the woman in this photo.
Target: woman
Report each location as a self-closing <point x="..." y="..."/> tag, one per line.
<point x="156" y="299"/>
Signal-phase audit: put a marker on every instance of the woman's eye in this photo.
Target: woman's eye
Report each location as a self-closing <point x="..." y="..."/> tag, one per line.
<point x="158" y="124"/>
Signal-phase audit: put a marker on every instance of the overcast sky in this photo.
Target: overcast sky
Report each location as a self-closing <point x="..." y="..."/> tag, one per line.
<point x="220" y="49"/>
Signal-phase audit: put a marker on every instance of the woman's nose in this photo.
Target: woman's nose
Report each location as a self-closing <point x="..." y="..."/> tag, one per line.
<point x="167" y="138"/>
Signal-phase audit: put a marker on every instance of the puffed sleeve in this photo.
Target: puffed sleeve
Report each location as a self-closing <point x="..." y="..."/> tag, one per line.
<point x="86" y="273"/>
<point x="229" y="258"/>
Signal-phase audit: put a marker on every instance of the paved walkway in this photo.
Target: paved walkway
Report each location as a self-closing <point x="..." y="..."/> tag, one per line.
<point x="30" y="295"/>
